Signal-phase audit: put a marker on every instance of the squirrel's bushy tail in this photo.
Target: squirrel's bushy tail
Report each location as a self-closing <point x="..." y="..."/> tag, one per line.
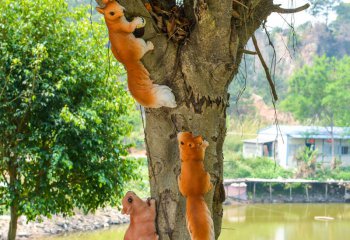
<point x="144" y="91"/>
<point x="198" y="217"/>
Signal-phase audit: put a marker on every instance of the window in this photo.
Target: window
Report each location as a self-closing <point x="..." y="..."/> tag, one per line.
<point x="344" y="150"/>
<point x="267" y="149"/>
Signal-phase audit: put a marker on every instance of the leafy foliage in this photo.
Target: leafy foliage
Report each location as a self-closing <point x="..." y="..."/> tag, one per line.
<point x="319" y="92"/>
<point x="306" y="160"/>
<point x="240" y="167"/>
<point x="137" y="136"/>
<point x="63" y="118"/>
<point x="141" y="185"/>
<point x="340" y="173"/>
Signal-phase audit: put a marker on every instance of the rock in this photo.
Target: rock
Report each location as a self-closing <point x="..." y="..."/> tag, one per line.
<point x="2" y="236"/>
<point x="103" y="218"/>
<point x="65" y="226"/>
<point x="61" y="223"/>
<point x="22" y="220"/>
<point x="114" y="221"/>
<point x="23" y="234"/>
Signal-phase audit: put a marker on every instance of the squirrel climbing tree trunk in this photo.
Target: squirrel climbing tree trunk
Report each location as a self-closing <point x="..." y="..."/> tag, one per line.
<point x="199" y="69"/>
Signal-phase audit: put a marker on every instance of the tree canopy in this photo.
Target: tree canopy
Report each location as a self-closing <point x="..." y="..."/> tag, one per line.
<point x="323" y="7"/>
<point x="63" y="117"/>
<point x="319" y="92"/>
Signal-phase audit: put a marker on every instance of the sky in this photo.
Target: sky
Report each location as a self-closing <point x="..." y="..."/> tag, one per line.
<point x="275" y="20"/>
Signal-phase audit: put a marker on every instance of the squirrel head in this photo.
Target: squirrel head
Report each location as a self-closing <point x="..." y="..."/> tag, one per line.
<point x="129" y="201"/>
<point x="191" y="147"/>
<point x="112" y="10"/>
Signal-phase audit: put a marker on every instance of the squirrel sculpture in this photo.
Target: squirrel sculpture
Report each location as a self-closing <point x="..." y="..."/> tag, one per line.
<point x="194" y="182"/>
<point x="142" y="217"/>
<point x="129" y="50"/>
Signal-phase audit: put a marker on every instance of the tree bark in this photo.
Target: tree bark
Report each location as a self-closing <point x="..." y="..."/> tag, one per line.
<point x="199" y="71"/>
<point x="12" y="169"/>
<point x="13" y="223"/>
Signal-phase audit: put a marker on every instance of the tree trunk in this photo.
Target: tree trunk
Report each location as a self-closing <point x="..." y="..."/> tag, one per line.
<point x="199" y="71"/>
<point x="165" y="163"/>
<point x="13" y="223"/>
<point x="12" y="167"/>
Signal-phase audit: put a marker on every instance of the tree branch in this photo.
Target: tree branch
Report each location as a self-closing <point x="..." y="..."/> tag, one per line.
<point x="266" y="69"/>
<point x="245" y="51"/>
<point x="278" y="9"/>
<point x="238" y="2"/>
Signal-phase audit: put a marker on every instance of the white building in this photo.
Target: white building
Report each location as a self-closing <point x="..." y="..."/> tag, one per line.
<point x="283" y="142"/>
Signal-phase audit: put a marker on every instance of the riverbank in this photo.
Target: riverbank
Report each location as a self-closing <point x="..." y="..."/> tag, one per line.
<point x="255" y="190"/>
<point x="102" y="218"/>
<point x="284" y="199"/>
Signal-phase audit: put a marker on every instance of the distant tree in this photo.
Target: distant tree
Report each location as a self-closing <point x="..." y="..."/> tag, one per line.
<point x="320" y="93"/>
<point x="306" y="90"/>
<point x="323" y="8"/>
<point x="337" y="91"/>
<point x="343" y="11"/>
<point x="62" y="117"/>
<point x="341" y="29"/>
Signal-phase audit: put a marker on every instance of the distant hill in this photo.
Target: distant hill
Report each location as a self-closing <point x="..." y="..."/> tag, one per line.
<point x="292" y="49"/>
<point x="267" y="113"/>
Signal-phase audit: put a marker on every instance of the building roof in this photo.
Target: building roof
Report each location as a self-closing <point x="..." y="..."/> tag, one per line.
<point x="306" y="131"/>
<point x="261" y="139"/>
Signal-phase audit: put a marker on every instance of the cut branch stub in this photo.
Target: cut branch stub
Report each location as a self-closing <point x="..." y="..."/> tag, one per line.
<point x="278" y="9"/>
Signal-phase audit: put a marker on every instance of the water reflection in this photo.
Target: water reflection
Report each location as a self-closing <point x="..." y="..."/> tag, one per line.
<point x="264" y="222"/>
<point x="286" y="222"/>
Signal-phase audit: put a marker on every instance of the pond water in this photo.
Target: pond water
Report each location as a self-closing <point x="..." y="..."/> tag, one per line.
<point x="264" y="222"/>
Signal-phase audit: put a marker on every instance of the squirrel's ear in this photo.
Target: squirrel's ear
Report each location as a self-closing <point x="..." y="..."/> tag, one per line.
<point x="198" y="138"/>
<point x="205" y="144"/>
<point x="100" y="10"/>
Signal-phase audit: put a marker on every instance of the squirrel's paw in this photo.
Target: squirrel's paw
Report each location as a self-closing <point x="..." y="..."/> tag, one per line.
<point x="140" y="22"/>
<point x="150" y="201"/>
<point x="150" y="45"/>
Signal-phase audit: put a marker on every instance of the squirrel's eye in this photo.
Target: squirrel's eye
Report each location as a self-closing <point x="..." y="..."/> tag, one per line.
<point x="190" y="145"/>
<point x="112" y="13"/>
<point x="182" y="143"/>
<point x="130" y="200"/>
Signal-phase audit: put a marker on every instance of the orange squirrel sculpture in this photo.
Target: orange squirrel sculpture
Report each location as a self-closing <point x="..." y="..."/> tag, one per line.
<point x="129" y="50"/>
<point x="194" y="182"/>
<point x="142" y="217"/>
